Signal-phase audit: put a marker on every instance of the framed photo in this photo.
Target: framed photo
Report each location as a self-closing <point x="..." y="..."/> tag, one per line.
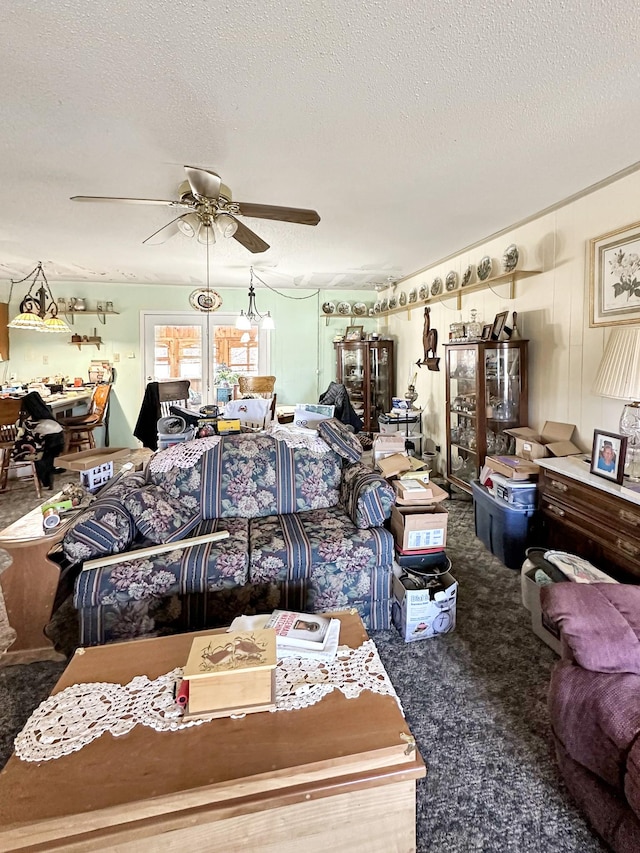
<point x="354" y="333"/>
<point x="608" y="455"/>
<point x="614" y="277"/>
<point x="486" y="332"/>
<point x="498" y="325"/>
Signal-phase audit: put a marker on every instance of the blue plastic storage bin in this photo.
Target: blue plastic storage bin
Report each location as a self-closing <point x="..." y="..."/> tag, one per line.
<point x="505" y="530"/>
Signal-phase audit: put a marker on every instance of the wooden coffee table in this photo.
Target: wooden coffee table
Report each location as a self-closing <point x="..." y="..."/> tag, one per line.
<point x="337" y="776"/>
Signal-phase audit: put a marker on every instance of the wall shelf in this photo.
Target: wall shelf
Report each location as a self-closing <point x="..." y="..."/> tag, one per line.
<point x="81" y="344"/>
<point x="101" y="315"/>
<point x="509" y="278"/>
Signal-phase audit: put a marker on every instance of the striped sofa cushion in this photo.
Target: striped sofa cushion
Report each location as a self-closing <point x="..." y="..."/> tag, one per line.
<point x="366" y="496"/>
<point x="341" y="440"/>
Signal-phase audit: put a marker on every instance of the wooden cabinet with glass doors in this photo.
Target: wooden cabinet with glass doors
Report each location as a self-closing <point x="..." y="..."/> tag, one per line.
<point x="486" y="385"/>
<point x="366" y="370"/>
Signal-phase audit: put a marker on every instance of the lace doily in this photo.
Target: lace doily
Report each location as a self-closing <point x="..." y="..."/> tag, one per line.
<point x="183" y="455"/>
<point x="79" y="714"/>
<point x="309" y="440"/>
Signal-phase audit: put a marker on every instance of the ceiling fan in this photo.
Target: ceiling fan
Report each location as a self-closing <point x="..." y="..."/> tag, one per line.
<point x="206" y="202"/>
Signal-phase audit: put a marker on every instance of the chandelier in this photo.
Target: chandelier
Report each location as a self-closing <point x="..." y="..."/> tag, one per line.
<point x="38" y="309"/>
<point x="252" y="317"/>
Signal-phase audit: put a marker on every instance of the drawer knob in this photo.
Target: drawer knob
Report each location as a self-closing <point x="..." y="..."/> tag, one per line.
<point x="629" y="517"/>
<point x="559" y="487"/>
<point x="627" y="547"/>
<point x="556" y="510"/>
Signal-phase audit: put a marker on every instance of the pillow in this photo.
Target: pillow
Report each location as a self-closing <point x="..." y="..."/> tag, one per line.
<point x="599" y="623"/>
<point x="158" y="517"/>
<point x="341" y="440"/>
<point x="104" y="528"/>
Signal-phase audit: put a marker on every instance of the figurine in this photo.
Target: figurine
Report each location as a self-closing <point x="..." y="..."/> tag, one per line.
<point x="429" y="343"/>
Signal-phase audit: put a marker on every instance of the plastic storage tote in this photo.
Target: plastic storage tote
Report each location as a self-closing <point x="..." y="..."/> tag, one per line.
<point x="505" y="530"/>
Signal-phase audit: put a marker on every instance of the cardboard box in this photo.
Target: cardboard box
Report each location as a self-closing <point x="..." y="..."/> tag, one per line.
<point x="387" y="445"/>
<point x="412" y="492"/>
<point x="554" y="440"/>
<point x="391" y="466"/>
<point x="422" y="613"/>
<point x="85" y="460"/>
<point x="513" y="466"/>
<point x="548" y="633"/>
<point x="418" y="527"/>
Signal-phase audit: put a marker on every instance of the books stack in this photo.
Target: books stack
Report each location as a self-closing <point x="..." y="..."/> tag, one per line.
<point x="305" y="634"/>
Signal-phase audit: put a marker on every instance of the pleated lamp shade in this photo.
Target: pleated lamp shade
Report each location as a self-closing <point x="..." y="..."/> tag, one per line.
<point x="619" y="372"/>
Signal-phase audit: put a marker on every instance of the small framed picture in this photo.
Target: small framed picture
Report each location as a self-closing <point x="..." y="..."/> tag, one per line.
<point x="498" y="325"/>
<point x="354" y="333"/>
<point x="608" y="455"/>
<point x="486" y="332"/>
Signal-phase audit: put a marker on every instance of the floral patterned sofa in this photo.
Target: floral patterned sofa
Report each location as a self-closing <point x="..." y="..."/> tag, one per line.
<point x="305" y="521"/>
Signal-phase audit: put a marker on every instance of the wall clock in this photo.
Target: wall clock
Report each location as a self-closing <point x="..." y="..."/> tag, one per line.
<point x="205" y="300"/>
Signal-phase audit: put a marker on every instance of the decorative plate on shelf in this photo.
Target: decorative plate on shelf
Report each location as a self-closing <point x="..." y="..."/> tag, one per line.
<point x="451" y="281"/>
<point x="360" y="309"/>
<point x="510" y="258"/>
<point x="344" y="308"/>
<point x="329" y="308"/>
<point x="484" y="268"/>
<point x="424" y="291"/>
<point x="402" y="299"/>
<point x="393" y="302"/>
<point x="384" y="304"/>
<point x="376" y="307"/>
<point x="413" y="296"/>
<point x="467" y="275"/>
<point x="205" y="300"/>
<point x="436" y="286"/>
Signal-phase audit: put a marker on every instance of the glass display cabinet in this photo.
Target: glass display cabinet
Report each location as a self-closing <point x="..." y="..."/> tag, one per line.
<point x="486" y="384"/>
<point x="366" y="370"/>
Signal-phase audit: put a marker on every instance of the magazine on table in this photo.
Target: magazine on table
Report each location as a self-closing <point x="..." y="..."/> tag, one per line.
<point x="283" y="622"/>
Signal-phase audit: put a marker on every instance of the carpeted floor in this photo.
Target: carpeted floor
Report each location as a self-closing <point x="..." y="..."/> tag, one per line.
<point x="475" y="700"/>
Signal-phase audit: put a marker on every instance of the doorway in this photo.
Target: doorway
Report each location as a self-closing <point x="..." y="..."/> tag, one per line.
<point x="203" y="349"/>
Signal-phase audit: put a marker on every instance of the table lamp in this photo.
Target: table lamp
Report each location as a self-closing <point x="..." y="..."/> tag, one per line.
<point x="619" y="377"/>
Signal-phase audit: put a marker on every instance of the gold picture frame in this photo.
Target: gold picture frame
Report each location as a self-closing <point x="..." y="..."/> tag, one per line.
<point x="614" y="277"/>
<point x="353" y="333"/>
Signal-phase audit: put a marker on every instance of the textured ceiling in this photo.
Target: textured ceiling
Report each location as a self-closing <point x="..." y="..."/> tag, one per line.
<point x="413" y="129"/>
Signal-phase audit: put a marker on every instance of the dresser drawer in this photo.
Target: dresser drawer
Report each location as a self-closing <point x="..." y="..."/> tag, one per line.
<point x="569" y="528"/>
<point x="605" y="509"/>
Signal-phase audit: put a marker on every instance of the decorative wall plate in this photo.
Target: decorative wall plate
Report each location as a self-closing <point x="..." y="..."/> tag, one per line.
<point x="413" y="296"/>
<point x="205" y="300"/>
<point x="402" y="299"/>
<point x="436" y="286"/>
<point x="467" y="275"/>
<point x="393" y="301"/>
<point x="510" y="258"/>
<point x="376" y="307"/>
<point x="329" y="308"/>
<point x="384" y="304"/>
<point x="451" y="281"/>
<point x="424" y="291"/>
<point x="484" y="268"/>
<point x="344" y="308"/>
<point x="360" y="309"/>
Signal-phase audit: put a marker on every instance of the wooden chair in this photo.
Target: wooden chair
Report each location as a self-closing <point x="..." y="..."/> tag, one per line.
<point x="79" y="429"/>
<point x="173" y="392"/>
<point x="9" y="418"/>
<point x="257" y="386"/>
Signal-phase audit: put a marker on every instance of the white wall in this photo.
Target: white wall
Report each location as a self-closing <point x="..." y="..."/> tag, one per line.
<point x="553" y="313"/>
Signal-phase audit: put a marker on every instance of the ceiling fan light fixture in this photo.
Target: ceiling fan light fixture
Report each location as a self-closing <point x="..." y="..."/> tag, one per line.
<point x="206" y="234"/>
<point x="188" y="224"/>
<point x="227" y="225"/>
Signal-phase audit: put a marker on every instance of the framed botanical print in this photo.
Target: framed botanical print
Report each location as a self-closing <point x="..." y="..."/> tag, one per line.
<point x="614" y="277"/>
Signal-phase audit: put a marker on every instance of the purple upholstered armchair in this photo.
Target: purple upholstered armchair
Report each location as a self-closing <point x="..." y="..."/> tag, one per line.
<point x="594" y="704"/>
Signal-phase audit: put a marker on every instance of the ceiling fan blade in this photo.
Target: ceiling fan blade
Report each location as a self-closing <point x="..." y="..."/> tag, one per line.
<point x="283" y="214"/>
<point x="249" y="239"/>
<point x="164" y="201"/>
<point x="203" y="182"/>
<point x="171" y="229"/>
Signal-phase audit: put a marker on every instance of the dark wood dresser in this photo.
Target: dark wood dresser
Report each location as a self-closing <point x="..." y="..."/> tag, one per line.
<point x="589" y="516"/>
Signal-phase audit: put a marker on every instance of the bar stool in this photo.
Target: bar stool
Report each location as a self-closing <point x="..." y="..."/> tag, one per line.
<point x="9" y="418"/>
<point x="78" y="430"/>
